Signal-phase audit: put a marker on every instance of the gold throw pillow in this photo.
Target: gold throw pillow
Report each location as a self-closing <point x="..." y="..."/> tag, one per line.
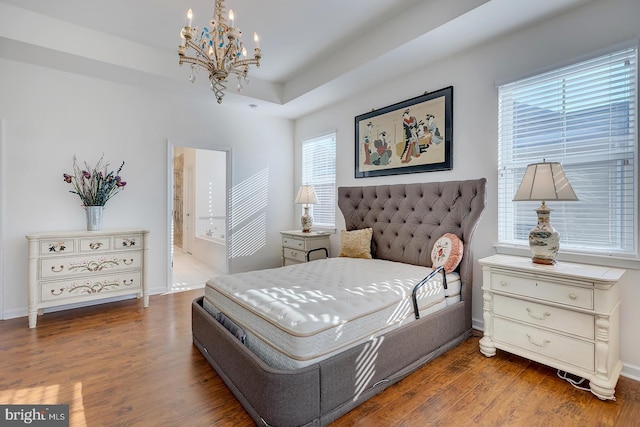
<point x="356" y="243"/>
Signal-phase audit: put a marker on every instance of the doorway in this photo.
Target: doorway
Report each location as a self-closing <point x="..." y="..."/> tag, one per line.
<point x="198" y="231"/>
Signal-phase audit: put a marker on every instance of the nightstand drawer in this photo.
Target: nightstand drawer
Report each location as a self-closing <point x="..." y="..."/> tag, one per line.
<point x="547" y="291"/>
<point x="294" y="254"/>
<point x="290" y="242"/>
<point x="548" y="344"/>
<point x="571" y="322"/>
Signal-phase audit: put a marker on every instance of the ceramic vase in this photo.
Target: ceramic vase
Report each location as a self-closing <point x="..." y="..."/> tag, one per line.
<point x="544" y="240"/>
<point x="306" y="220"/>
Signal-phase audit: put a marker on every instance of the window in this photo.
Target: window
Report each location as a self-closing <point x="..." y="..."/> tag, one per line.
<point x="583" y="116"/>
<point x="319" y="170"/>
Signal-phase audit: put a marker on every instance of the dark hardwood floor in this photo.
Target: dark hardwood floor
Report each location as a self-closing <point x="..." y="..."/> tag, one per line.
<point x="120" y="364"/>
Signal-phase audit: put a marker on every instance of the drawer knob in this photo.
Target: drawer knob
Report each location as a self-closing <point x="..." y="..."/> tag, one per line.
<point x="544" y="315"/>
<point x="544" y="341"/>
<point x="503" y="283"/>
<point x="573" y="296"/>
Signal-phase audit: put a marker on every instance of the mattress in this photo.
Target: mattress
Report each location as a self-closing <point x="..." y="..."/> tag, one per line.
<point x="297" y="315"/>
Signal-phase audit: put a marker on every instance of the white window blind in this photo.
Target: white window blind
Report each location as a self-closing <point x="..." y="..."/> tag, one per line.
<point x="583" y="116"/>
<point x="319" y="170"/>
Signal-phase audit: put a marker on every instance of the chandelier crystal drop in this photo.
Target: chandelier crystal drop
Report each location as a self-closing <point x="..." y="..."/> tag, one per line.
<point x="218" y="49"/>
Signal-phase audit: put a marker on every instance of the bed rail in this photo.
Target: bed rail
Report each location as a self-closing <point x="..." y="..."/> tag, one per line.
<point x="326" y="252"/>
<point x="421" y="283"/>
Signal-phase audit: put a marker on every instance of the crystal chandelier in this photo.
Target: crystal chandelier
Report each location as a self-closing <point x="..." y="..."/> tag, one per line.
<point x="217" y="48"/>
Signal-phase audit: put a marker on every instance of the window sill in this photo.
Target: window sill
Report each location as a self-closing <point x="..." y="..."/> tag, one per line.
<point x="585" y="258"/>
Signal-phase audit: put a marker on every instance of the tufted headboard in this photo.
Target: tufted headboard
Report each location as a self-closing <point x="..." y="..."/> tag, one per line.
<point x="407" y="219"/>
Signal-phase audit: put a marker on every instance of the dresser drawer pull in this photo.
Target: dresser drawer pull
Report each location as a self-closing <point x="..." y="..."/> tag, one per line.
<point x="544" y="342"/>
<point x="573" y="296"/>
<point x="94" y="246"/>
<point x="57" y="247"/>
<point x="544" y="315"/>
<point x="503" y="283"/>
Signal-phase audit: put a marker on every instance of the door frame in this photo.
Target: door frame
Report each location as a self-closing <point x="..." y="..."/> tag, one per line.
<point x="2" y="193"/>
<point x="228" y="155"/>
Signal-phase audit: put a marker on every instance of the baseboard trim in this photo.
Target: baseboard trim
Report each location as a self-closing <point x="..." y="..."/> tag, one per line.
<point x="23" y="312"/>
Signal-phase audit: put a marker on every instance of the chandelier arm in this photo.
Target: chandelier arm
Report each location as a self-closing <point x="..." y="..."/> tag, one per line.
<point x="228" y="54"/>
<point x="196" y="61"/>
<point x="190" y="43"/>
<point x="247" y="62"/>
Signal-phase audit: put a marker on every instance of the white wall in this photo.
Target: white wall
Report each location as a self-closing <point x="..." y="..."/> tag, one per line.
<point x="211" y="171"/>
<point x="49" y="116"/>
<point x="474" y="75"/>
<point x="210" y="187"/>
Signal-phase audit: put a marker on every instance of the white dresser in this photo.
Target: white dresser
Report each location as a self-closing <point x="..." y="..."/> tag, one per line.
<point x="72" y="267"/>
<point x="565" y="316"/>
<point x="296" y="245"/>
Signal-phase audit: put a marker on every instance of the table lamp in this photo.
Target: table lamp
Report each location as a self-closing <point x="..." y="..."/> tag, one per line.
<point x="306" y="196"/>
<point x="542" y="182"/>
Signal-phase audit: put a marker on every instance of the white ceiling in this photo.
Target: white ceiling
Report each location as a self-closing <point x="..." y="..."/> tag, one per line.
<point x="315" y="52"/>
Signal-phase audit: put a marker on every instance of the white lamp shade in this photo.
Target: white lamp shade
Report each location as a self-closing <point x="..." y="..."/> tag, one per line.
<point x="545" y="181"/>
<point x="306" y="195"/>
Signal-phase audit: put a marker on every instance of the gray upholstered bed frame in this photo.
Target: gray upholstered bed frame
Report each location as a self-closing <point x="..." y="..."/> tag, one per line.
<point x="406" y="219"/>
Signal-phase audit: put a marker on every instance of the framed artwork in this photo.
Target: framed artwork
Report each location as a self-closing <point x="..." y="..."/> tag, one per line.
<point x="411" y="136"/>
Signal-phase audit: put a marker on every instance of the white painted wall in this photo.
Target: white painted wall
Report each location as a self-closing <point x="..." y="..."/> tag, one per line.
<point x="49" y="115"/>
<point x="474" y="75"/>
<point x="210" y="187"/>
<point x="210" y="202"/>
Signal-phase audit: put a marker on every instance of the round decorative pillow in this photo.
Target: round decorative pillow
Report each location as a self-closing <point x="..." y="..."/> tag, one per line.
<point x="447" y="252"/>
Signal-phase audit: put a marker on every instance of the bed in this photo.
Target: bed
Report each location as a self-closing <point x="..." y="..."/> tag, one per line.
<point x="313" y="385"/>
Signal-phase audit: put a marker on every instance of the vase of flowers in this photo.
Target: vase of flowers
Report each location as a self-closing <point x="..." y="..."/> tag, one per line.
<point x="95" y="186"/>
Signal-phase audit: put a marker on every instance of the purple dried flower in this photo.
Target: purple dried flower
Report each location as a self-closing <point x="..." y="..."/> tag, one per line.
<point x="95" y="185"/>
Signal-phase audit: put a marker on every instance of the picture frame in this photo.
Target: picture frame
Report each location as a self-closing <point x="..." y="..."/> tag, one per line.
<point x="411" y="136"/>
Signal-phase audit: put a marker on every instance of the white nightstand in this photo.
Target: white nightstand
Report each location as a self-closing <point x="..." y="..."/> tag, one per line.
<point x="300" y="247"/>
<point x="565" y="316"/>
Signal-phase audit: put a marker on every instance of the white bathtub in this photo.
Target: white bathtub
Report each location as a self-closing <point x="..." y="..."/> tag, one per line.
<point x="211" y="251"/>
<point x="214" y="239"/>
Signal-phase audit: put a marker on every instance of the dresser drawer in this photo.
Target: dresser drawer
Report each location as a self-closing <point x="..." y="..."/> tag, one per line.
<point x="97" y="244"/>
<point x="127" y="281"/>
<point x="574" y="296"/>
<point x="548" y="344"/>
<point x="298" y="255"/>
<point x="291" y="242"/>
<point x="561" y="320"/>
<point x="81" y="265"/>
<point x="133" y="241"/>
<point x="58" y="246"/>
